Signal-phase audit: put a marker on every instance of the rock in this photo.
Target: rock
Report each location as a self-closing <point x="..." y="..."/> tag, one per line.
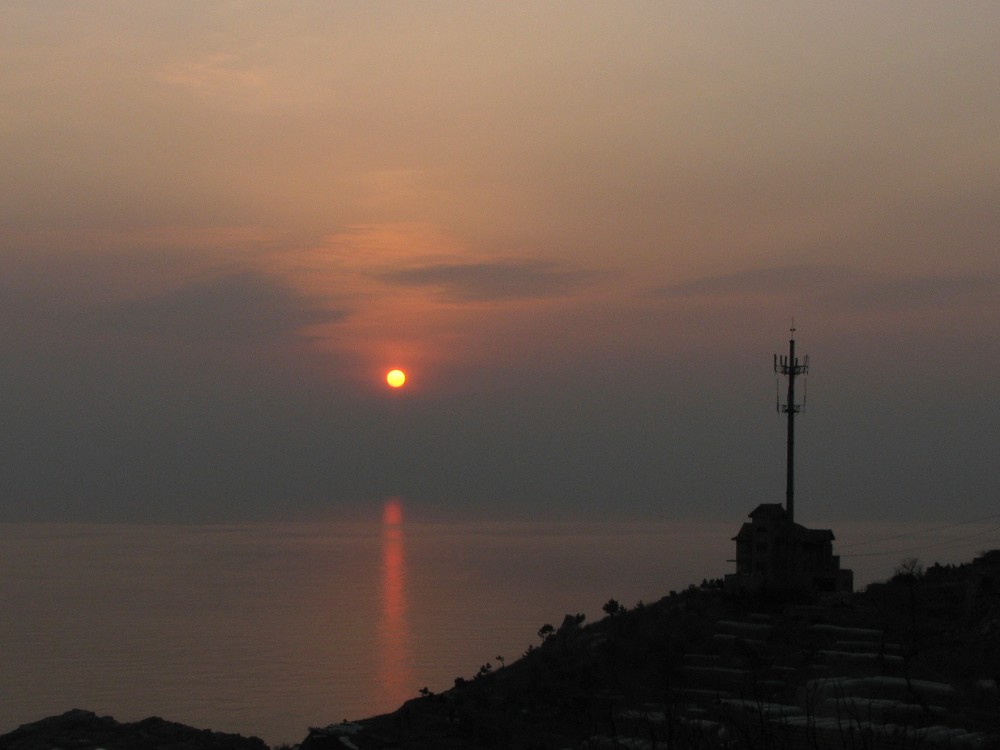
<point x="85" y="730"/>
<point x="333" y="737"/>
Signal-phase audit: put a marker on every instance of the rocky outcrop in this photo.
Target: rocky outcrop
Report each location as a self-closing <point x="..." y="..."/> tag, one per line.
<point x="85" y="730"/>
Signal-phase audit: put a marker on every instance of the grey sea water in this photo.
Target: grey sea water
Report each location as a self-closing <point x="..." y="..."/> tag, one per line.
<point x="268" y="629"/>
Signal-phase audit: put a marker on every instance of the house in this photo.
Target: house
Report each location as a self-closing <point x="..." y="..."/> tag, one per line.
<point x="773" y="551"/>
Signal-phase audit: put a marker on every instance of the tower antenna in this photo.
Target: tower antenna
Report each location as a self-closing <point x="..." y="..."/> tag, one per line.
<point x="790" y="367"/>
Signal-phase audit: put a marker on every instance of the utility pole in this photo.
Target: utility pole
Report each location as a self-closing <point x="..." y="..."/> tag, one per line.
<point x="790" y="367"/>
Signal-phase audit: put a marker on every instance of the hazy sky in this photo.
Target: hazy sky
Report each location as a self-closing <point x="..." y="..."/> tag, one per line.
<point x="583" y="228"/>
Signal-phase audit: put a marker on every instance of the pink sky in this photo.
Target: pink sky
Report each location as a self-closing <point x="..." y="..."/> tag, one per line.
<point x="583" y="229"/>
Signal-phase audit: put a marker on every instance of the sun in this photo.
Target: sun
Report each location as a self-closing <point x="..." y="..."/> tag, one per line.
<point x="395" y="378"/>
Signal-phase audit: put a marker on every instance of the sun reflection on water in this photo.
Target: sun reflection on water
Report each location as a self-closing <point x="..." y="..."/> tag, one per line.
<point x="394" y="673"/>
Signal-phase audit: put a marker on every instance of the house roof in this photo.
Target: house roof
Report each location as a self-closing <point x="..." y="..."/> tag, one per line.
<point x="782" y="527"/>
<point x="771" y="510"/>
<point x="745" y="530"/>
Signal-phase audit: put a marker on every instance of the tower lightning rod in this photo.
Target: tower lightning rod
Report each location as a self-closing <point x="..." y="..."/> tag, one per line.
<point x="790" y="367"/>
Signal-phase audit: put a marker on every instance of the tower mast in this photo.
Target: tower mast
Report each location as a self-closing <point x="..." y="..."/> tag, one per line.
<point x="790" y="367"/>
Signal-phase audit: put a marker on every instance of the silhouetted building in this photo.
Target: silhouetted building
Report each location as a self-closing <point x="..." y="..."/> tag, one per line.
<point x="773" y="551"/>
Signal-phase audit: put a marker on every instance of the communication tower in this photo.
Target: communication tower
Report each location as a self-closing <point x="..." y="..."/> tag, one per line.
<point x="790" y="367"/>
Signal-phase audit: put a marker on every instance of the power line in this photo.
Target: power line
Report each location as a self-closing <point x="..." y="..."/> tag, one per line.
<point x="945" y="543"/>
<point x="922" y="531"/>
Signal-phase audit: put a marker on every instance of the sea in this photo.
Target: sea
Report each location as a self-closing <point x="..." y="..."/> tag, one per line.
<point x="268" y="629"/>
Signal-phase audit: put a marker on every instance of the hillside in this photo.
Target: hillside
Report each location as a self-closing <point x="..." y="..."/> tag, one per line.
<point x="910" y="663"/>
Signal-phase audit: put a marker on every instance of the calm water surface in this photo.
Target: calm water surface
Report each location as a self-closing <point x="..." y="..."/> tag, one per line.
<point x="268" y="629"/>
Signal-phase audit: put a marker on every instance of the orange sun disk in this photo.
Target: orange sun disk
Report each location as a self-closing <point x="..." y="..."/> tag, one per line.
<point x="395" y="378"/>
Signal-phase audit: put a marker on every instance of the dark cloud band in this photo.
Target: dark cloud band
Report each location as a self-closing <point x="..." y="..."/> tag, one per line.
<point x="487" y="282"/>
